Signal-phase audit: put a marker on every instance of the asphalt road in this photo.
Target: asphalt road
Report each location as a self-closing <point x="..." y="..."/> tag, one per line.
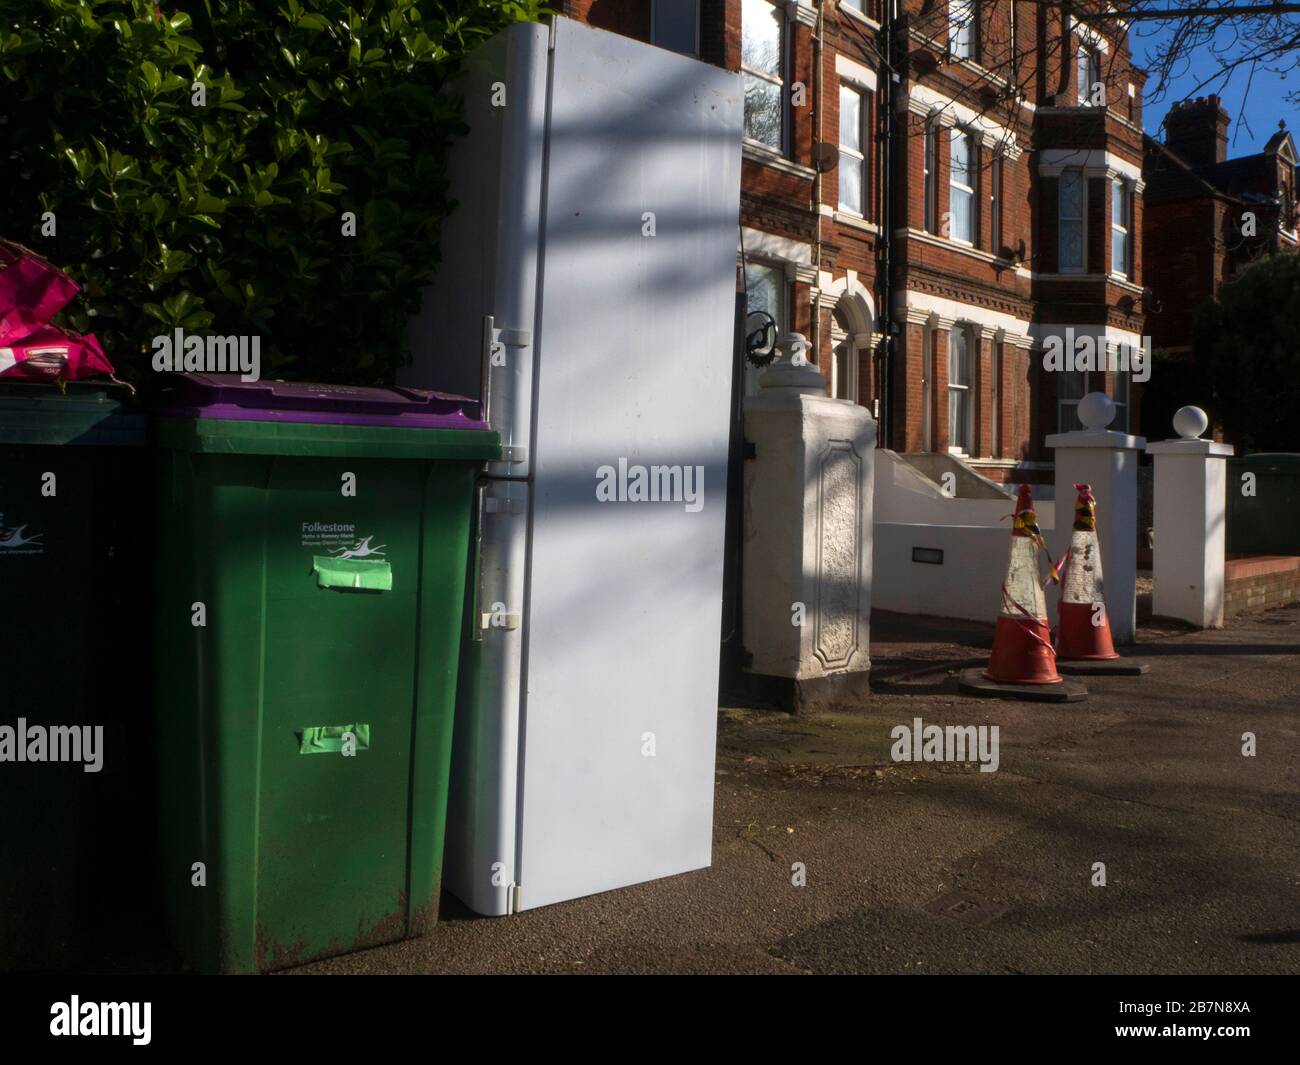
<point x="918" y="868"/>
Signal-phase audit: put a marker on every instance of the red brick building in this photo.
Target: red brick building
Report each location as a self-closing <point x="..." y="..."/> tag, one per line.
<point x="931" y="189"/>
<point x="1208" y="216"/>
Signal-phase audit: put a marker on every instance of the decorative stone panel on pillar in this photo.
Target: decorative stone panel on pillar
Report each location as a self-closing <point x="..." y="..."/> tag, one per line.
<point x="1191" y="500"/>
<point x="1108" y="461"/>
<point x="807" y="553"/>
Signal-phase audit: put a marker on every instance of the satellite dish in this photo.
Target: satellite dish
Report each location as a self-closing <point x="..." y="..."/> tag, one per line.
<point x="826" y="156"/>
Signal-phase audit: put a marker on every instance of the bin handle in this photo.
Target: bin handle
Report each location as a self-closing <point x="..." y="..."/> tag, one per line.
<point x="355" y="574"/>
<point x="329" y="739"/>
<point x="476" y="564"/>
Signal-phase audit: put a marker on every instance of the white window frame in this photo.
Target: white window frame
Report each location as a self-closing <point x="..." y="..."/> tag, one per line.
<point x="962" y="23"/>
<point x="1123" y="403"/>
<point x="654" y="11"/>
<point x="995" y="395"/>
<point x="1088" y="70"/>
<point x="780" y="81"/>
<point x="927" y="386"/>
<point x="962" y="394"/>
<point x="997" y="164"/>
<point x="1074" y="424"/>
<point x="845" y="340"/>
<point x="782" y="314"/>
<point x="968" y="190"/>
<point x="1288" y="197"/>
<point x="930" y="168"/>
<point x="1082" y="221"/>
<point x="1122" y="195"/>
<point x="858" y="155"/>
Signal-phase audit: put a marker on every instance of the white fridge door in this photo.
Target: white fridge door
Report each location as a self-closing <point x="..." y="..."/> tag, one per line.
<point x="477" y="313"/>
<point x="634" y="369"/>
<point x="480" y="853"/>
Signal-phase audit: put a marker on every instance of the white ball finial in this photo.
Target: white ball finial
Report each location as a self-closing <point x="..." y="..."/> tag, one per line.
<point x="1096" y="410"/>
<point x="1190" y="422"/>
<point x="794" y="347"/>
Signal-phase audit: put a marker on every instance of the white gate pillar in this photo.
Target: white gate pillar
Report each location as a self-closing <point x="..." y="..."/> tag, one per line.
<point x="807" y="556"/>
<point x="1107" y="460"/>
<point x="1191" y="505"/>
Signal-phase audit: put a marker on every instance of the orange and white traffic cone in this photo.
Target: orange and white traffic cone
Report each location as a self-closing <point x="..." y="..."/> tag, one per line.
<point x="1022" y="643"/>
<point x="1083" y="640"/>
<point x="1083" y="631"/>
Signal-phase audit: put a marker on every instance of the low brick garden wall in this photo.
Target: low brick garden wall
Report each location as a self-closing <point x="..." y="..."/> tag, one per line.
<point x="1259" y="583"/>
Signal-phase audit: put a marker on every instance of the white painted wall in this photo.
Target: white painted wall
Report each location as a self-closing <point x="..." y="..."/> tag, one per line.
<point x="904" y="496"/>
<point x="967" y="585"/>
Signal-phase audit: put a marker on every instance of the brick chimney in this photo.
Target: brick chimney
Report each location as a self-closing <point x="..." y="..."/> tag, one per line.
<point x="1197" y="130"/>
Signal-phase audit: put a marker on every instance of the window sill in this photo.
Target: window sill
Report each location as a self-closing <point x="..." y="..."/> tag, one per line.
<point x="858" y="16"/>
<point x="856" y="221"/>
<point x="965" y="248"/>
<point x="758" y="152"/>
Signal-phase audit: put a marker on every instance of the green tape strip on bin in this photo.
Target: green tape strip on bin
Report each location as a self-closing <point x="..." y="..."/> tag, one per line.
<point x="369" y="574"/>
<point x="328" y="739"/>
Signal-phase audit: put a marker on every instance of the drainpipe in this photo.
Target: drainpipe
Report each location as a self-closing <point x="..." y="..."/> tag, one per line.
<point x="886" y="281"/>
<point x="817" y="185"/>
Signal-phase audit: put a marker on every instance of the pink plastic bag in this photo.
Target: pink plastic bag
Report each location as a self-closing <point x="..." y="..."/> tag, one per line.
<point x="30" y="285"/>
<point x="32" y="291"/>
<point x="51" y="354"/>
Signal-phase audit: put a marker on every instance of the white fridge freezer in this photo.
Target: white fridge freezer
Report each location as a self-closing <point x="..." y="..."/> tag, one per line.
<point x="589" y="273"/>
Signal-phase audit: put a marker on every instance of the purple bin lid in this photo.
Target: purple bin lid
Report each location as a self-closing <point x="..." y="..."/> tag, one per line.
<point x="225" y="396"/>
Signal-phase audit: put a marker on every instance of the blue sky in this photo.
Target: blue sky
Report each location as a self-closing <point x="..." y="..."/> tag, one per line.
<point x="1265" y="103"/>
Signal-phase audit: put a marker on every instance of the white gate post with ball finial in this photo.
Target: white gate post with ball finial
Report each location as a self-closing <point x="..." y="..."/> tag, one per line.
<point x="1107" y="460"/>
<point x="1191" y="501"/>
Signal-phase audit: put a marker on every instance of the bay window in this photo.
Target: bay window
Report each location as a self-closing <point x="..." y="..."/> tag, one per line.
<point x="1070" y="249"/>
<point x="960" y="379"/>
<point x="1121" y="227"/>
<point x="961" y="187"/>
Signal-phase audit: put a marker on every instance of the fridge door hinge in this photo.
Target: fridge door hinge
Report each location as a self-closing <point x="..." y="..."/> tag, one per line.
<point x="497" y="505"/>
<point x="499" y="619"/>
<point x="495" y="342"/>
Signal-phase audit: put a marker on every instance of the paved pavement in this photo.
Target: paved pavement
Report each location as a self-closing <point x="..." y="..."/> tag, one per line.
<point x="916" y="868"/>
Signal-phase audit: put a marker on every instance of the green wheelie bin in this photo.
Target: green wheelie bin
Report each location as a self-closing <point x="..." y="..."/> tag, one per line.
<point x="75" y="724"/>
<point x="311" y="564"/>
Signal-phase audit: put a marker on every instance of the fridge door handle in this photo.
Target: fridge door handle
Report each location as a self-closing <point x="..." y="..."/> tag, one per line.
<point x="497" y="616"/>
<point x="476" y="563"/>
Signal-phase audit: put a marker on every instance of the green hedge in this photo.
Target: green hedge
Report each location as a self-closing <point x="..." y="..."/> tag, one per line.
<point x="228" y="218"/>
